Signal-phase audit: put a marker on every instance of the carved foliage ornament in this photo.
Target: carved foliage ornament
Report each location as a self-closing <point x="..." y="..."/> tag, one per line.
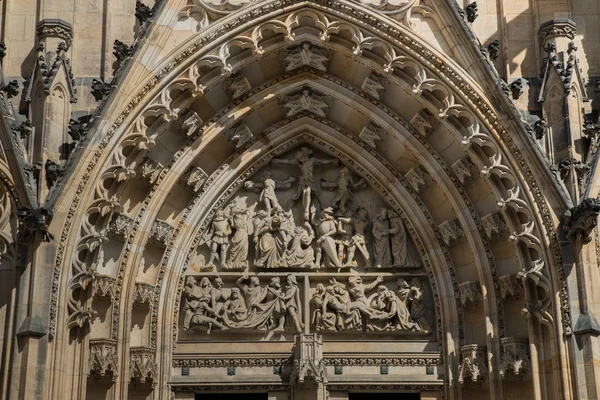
<point x="143" y="368"/>
<point x="103" y="359"/>
<point x="473" y="368"/>
<point x="580" y="221"/>
<point x="515" y="360"/>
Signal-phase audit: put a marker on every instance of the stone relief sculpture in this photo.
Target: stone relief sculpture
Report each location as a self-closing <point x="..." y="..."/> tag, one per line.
<point x="250" y="306"/>
<point x="326" y="233"/>
<point x="338" y="307"/>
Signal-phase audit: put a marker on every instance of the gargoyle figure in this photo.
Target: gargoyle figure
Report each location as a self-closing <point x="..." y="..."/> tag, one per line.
<point x="33" y="220"/>
<point x="581" y="220"/>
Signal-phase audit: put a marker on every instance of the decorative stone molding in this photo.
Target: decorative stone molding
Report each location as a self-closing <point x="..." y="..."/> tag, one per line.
<point x="511" y="287"/>
<point x="494" y="225"/>
<point x="404" y="362"/>
<point x="56" y="28"/>
<point x="580" y="221"/>
<point x="425" y="122"/>
<point x="225" y="362"/>
<point x="193" y="179"/>
<point x="120" y="226"/>
<point x="473" y="368"/>
<point x="239" y="135"/>
<point x="470" y="294"/>
<point x="188" y="122"/>
<point x="452" y="233"/>
<point x="236" y="86"/>
<point x="306" y="99"/>
<point x="309" y="368"/>
<point x="103" y="359"/>
<point x="372" y="134"/>
<point x="465" y="170"/>
<point x="560" y="27"/>
<point x="143" y="295"/>
<point x="374" y="85"/>
<point x="160" y="234"/>
<point x="143" y="368"/>
<point x="305" y="54"/>
<point x="419" y="179"/>
<point x="150" y="170"/>
<point x="103" y="288"/>
<point x="515" y="360"/>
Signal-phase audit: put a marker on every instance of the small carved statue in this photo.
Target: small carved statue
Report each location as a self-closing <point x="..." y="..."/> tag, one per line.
<point x="301" y="254"/>
<point x="398" y="237"/>
<point x="381" y="236"/>
<point x="269" y="185"/>
<point x="218" y="238"/>
<point x="417" y="305"/>
<point x="357" y="227"/>
<point x="238" y="255"/>
<point x="326" y="228"/>
<point x="343" y="184"/>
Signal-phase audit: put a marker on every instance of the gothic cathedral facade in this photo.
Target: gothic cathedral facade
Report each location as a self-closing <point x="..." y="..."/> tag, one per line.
<point x="299" y="199"/>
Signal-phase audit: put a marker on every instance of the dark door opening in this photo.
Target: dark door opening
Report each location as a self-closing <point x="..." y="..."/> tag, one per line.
<point x="232" y="396"/>
<point x="384" y="396"/>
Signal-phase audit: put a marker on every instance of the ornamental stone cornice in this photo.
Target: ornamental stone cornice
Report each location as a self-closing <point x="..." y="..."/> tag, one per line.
<point x="558" y="27"/>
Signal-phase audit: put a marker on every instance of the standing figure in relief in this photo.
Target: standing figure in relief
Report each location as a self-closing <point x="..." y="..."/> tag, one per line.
<point x="381" y="244"/>
<point x="238" y="255"/>
<point x="266" y="254"/>
<point x="275" y="294"/>
<point x="322" y="319"/>
<point x="358" y="289"/>
<point x="260" y="311"/>
<point x="269" y="185"/>
<point x="417" y="305"/>
<point x="360" y="223"/>
<point x="326" y="228"/>
<point x="307" y="187"/>
<point x="344" y="185"/>
<point x="344" y="240"/>
<point x="293" y="309"/>
<point x="218" y="295"/>
<point x="218" y="238"/>
<point x="399" y="241"/>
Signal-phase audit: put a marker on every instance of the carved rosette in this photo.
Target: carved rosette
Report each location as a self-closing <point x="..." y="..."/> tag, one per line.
<point x="143" y="368"/>
<point x="372" y="134"/>
<point x="515" y="360"/>
<point x="494" y="225"/>
<point x="309" y="369"/>
<point x="193" y="179"/>
<point x="465" y="170"/>
<point x="452" y="233"/>
<point x="160" y="234"/>
<point x="419" y="179"/>
<point x="103" y="359"/>
<point x="511" y="287"/>
<point x="425" y="122"/>
<point x="473" y="368"/>
<point x="470" y="294"/>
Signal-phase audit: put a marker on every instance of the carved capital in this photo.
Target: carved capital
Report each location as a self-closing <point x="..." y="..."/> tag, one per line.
<point x="143" y="368"/>
<point x="306" y="54"/>
<point x="188" y="122"/>
<point x="419" y="179"/>
<point x="143" y="295"/>
<point x="473" y="368"/>
<point x="150" y="170"/>
<point x="103" y="288"/>
<point x="560" y="27"/>
<point x="452" y="233"/>
<point x="510" y="287"/>
<point x="580" y="221"/>
<point x="56" y="28"/>
<point x="494" y="225"/>
<point x="193" y="179"/>
<point x="103" y="359"/>
<point x="160" y="234"/>
<point x="309" y="369"/>
<point x="465" y="170"/>
<point x="120" y="226"/>
<point x="470" y="294"/>
<point x="515" y="360"/>
<point x="236" y="86"/>
<point x="372" y="134"/>
<point x="239" y="135"/>
<point x="425" y="122"/>
<point x="374" y="85"/>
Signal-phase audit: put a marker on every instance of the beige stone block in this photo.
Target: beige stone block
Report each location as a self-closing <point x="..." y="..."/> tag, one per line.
<point x="519" y="27"/>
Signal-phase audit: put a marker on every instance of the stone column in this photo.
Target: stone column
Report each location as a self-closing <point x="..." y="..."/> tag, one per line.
<point x="309" y="374"/>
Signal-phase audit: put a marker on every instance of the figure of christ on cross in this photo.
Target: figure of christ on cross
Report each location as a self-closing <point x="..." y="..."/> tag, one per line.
<point x="307" y="187"/>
